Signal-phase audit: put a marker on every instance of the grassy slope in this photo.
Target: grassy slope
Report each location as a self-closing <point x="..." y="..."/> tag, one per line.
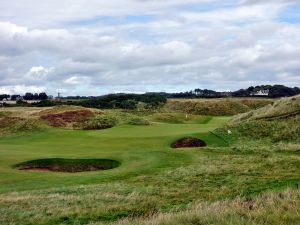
<point x="271" y="208"/>
<point x="214" y="107"/>
<point x="22" y="120"/>
<point x="279" y="121"/>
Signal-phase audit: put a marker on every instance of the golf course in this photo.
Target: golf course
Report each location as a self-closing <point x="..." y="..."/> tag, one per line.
<point x="234" y="178"/>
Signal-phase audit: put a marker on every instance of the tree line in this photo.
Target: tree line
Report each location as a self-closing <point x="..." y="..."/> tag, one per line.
<point x="148" y="100"/>
<point x="28" y="96"/>
<point x="271" y="91"/>
<point x="274" y="91"/>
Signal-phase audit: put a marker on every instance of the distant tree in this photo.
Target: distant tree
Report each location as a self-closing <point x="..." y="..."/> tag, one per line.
<point x="15" y="97"/>
<point x="283" y="91"/>
<point x="4" y="96"/>
<point x="241" y="93"/>
<point x="275" y="91"/>
<point x="43" y="96"/>
<point x="36" y="96"/>
<point x="123" y="101"/>
<point x="129" y="104"/>
<point x="45" y="103"/>
<point x="28" y="96"/>
<point x="251" y="89"/>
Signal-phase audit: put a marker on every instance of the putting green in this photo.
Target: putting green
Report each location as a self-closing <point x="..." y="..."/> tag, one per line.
<point x="140" y="149"/>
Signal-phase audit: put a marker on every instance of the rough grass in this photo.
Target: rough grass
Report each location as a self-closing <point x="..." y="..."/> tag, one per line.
<point x="270" y="208"/>
<point x="282" y="108"/>
<point x="152" y="179"/>
<point x="218" y="184"/>
<point x="4" y="114"/>
<point x="214" y="107"/>
<point x="69" y="117"/>
<point x="277" y="122"/>
<point x="97" y="122"/>
<point x="277" y="130"/>
<point x="26" y="120"/>
<point x="17" y="125"/>
<point x="73" y="117"/>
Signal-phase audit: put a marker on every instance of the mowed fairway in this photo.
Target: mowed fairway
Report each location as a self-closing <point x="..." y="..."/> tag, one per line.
<point x="152" y="178"/>
<point x="140" y="149"/>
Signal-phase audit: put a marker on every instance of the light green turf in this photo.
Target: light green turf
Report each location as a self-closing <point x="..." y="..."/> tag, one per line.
<point x="140" y="149"/>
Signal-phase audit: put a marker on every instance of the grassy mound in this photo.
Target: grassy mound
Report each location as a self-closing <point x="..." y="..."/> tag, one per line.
<point x="16" y="125"/>
<point x="214" y="107"/>
<point x="68" y="117"/>
<point x="279" y="121"/>
<point x="19" y="120"/>
<point x="281" y="109"/>
<point x="68" y="165"/>
<point x="97" y="122"/>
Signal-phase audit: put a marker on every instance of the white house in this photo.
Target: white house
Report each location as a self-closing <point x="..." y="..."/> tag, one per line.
<point x="261" y="93"/>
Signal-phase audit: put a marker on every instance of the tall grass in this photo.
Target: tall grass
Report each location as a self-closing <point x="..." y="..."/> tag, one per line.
<point x="279" y="121"/>
<point x="271" y="208"/>
<point x="212" y="107"/>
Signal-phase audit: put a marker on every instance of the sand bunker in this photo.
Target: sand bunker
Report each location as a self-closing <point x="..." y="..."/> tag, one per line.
<point x="188" y="142"/>
<point x="67" y="165"/>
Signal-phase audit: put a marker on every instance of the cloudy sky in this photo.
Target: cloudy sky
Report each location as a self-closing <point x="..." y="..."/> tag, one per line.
<point x="93" y="47"/>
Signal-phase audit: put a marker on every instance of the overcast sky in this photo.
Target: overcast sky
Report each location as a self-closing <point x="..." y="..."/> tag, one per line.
<point x="93" y="47"/>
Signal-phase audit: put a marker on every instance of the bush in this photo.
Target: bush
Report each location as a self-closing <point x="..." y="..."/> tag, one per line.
<point x="98" y="123"/>
<point x="45" y="103"/>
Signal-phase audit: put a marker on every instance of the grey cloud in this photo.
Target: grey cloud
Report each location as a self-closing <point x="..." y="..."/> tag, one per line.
<point x="186" y="53"/>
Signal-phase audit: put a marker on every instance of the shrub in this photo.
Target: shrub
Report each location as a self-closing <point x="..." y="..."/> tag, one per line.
<point x="98" y="123"/>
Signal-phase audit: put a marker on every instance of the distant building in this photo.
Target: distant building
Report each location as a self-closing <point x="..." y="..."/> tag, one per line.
<point x="264" y="92"/>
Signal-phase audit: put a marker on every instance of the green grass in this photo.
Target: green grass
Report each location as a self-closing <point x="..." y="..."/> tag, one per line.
<point x="140" y="149"/>
<point x="153" y="179"/>
<point x="277" y="122"/>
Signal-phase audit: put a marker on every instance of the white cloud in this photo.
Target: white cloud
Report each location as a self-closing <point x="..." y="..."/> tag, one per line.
<point x="38" y="73"/>
<point x="74" y="80"/>
<point x="21" y="89"/>
<point x="184" y="44"/>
